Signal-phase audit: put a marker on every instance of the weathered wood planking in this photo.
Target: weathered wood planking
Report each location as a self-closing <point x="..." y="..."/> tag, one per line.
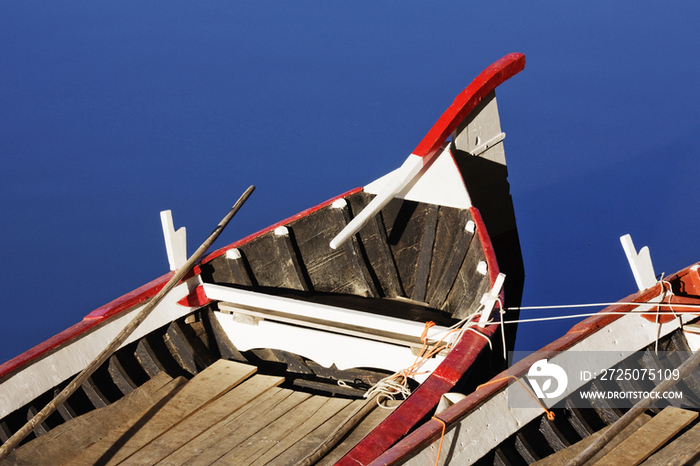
<point x="202" y="420"/>
<point x="329" y="410"/>
<point x="123" y="441"/>
<point x="679" y="452"/>
<point x="68" y="440"/>
<point x="649" y="438"/>
<point x="307" y="444"/>
<point x="257" y="446"/>
<point x="219" y="432"/>
<point x="358" y="433"/>
<point x="562" y="457"/>
<point x="221" y="439"/>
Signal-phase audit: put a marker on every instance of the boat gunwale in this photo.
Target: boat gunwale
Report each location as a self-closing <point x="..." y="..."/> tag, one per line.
<point x="431" y="430"/>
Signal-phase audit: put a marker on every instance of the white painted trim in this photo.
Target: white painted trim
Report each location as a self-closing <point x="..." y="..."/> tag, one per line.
<point x="640" y="263"/>
<point x="324" y="348"/>
<point x="310" y="310"/>
<point x="47" y="372"/>
<point x="175" y="241"/>
<point x="441" y="184"/>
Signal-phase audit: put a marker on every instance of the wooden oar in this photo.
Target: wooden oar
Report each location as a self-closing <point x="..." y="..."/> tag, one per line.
<point x="13" y="441"/>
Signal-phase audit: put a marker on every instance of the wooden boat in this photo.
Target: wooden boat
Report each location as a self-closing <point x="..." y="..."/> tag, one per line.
<point x="486" y="428"/>
<point x="286" y="330"/>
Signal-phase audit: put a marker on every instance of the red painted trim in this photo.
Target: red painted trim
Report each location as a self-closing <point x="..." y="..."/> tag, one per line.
<point x="424" y="399"/>
<point x="131" y="299"/>
<point x="485" y="240"/>
<point x="431" y="430"/>
<point x="483" y="85"/>
<point x="197" y="298"/>
<point x="97" y="316"/>
<point x="301" y="214"/>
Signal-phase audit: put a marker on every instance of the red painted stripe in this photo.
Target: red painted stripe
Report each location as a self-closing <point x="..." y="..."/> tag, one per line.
<point x="301" y="214"/>
<point x="97" y="316"/>
<point x="431" y="430"/>
<point x="483" y="85"/>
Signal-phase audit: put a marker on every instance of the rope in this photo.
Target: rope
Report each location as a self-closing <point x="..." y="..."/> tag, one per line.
<point x="575" y="316"/>
<point x="442" y="437"/>
<point x="397" y="384"/>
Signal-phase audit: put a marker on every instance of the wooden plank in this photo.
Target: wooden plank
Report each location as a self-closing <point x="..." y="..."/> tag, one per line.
<point x="219" y="432"/>
<point x="454" y="259"/>
<point x="425" y="256"/>
<point x="330" y="408"/>
<point x="71" y="438"/>
<point x="261" y="442"/>
<point x="562" y="457"/>
<point x="356" y="259"/>
<point x="221" y="439"/>
<point x="363" y="428"/>
<point x="207" y="386"/>
<point x="679" y="452"/>
<point x="649" y="438"/>
<point x="301" y="448"/>
<point x="119" y="376"/>
<point x="292" y="263"/>
<point x="203" y="419"/>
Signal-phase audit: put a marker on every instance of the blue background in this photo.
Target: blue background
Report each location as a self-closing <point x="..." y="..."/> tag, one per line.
<point x="113" y="111"/>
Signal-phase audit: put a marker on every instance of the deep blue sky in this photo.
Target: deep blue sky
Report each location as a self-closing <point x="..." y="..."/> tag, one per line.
<point x="113" y="111"/>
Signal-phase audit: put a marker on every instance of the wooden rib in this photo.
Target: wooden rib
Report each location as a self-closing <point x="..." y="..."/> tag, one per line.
<point x="120" y="377"/>
<point x="239" y="269"/>
<point x="354" y="254"/>
<point x="207" y="386"/>
<point x="649" y="438"/>
<point x="68" y="440"/>
<point x="293" y="271"/>
<point x="551" y="433"/>
<point x="94" y="394"/>
<point x="186" y="348"/>
<point x="65" y="410"/>
<point x="39" y="429"/>
<point x="605" y="410"/>
<point x="203" y="419"/>
<point x="394" y="287"/>
<point x="425" y="256"/>
<point x="220" y="440"/>
<point x="577" y="421"/>
<point x="524" y="449"/>
<point x="227" y="350"/>
<point x="147" y="358"/>
<point x="562" y="457"/>
<point x="454" y="264"/>
<point x="5" y="432"/>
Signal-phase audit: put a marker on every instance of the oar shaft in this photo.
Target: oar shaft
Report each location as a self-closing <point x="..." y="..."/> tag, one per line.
<point x="13" y="441"/>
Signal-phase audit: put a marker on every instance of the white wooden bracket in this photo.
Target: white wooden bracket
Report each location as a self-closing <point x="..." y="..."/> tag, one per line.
<point x="489" y="299"/>
<point x="640" y="263"/>
<point x="484" y="146"/>
<point x="175" y="241"/>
